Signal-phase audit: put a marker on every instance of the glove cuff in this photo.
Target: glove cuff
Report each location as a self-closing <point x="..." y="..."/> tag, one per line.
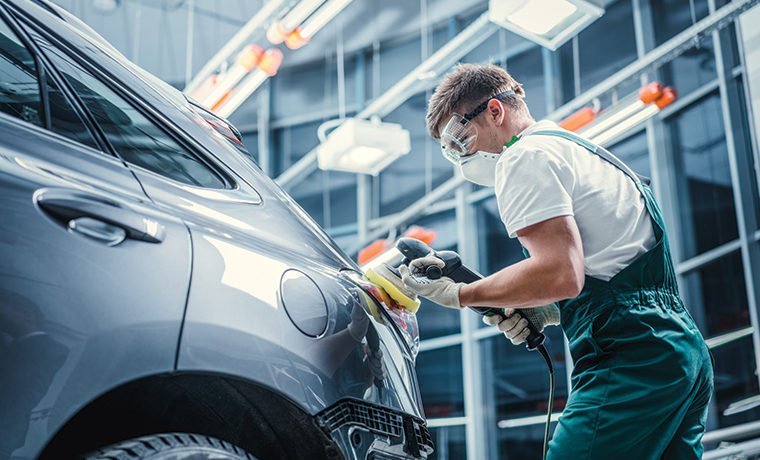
<point x="552" y="314"/>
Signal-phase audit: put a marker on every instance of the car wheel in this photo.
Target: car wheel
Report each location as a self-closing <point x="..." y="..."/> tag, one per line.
<point x="171" y="446"/>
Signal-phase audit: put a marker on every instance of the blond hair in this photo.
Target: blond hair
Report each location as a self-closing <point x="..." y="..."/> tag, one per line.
<point x="467" y="86"/>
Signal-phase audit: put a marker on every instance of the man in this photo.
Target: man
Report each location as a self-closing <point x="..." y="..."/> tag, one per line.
<point x="597" y="246"/>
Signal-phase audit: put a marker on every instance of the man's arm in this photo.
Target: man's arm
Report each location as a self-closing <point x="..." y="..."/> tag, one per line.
<point x="554" y="271"/>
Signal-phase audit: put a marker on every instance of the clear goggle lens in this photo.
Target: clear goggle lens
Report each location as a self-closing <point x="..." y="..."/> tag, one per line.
<point x="457" y="138"/>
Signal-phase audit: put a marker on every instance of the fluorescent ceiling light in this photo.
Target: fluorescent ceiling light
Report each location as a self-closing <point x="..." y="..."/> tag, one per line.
<point x="550" y="23"/>
<point x="728" y="338"/>
<point x="526" y="421"/>
<point x="301" y="11"/>
<point x="105" y="6"/>
<point x="363" y="146"/>
<point x="540" y="16"/>
<point x="625" y="126"/>
<point x="321" y="17"/>
<point x="742" y="406"/>
<point x="242" y="92"/>
<point x="361" y="156"/>
<point x="626" y="115"/>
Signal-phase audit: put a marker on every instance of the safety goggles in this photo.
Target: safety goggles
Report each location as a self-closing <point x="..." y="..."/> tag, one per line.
<point x="458" y="135"/>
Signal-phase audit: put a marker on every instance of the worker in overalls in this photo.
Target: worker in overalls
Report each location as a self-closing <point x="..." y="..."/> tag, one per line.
<point x="599" y="264"/>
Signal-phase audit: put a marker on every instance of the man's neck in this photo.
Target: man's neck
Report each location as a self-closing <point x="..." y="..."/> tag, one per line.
<point x="520" y="125"/>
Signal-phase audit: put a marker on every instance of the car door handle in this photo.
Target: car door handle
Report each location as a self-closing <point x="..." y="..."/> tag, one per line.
<point x="70" y="206"/>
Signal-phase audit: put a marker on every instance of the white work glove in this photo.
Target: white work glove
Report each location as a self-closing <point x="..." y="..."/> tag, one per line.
<point x="443" y="291"/>
<point x="515" y="327"/>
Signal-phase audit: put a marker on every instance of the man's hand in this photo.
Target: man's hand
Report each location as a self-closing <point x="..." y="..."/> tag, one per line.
<point x="515" y="327"/>
<point x="442" y="291"/>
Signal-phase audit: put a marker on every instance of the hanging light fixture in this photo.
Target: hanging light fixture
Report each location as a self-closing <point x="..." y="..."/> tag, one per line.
<point x="305" y="19"/>
<point x="363" y="146"/>
<point x="247" y="60"/>
<point x="268" y="64"/>
<point x="604" y="126"/>
<point x="106" y="6"/>
<point x="550" y="23"/>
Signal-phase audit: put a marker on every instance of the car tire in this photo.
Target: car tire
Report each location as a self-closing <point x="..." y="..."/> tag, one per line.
<point x="171" y="446"/>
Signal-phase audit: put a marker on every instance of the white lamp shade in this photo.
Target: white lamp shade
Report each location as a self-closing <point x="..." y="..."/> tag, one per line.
<point x="363" y="146"/>
<point x="550" y="23"/>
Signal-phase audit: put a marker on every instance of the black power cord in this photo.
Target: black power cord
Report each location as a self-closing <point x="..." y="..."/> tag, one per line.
<point x="453" y="268"/>
<point x="542" y="349"/>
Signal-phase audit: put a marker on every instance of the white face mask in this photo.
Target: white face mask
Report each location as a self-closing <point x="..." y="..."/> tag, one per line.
<point x="480" y="167"/>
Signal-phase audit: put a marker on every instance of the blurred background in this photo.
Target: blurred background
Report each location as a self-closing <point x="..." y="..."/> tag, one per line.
<point x="380" y="60"/>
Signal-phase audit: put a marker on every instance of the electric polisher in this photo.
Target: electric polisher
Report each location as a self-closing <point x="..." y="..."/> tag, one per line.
<point x="413" y="248"/>
<point x="389" y="280"/>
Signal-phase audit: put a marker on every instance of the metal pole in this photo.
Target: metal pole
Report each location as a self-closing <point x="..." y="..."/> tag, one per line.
<point x="136" y="40"/>
<point x="189" y="46"/>
<point x="263" y="124"/>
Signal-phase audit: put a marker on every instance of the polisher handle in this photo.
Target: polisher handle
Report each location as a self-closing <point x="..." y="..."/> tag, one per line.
<point x="534" y="340"/>
<point x="413" y="248"/>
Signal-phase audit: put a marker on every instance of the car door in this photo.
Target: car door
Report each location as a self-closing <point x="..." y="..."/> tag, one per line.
<point x="93" y="277"/>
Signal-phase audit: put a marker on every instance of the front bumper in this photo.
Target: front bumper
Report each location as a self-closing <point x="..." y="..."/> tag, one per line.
<point x="375" y="432"/>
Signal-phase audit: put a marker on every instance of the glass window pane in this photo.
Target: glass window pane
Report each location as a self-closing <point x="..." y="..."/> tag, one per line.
<point x="329" y="197"/>
<point x="134" y="137"/>
<point x="599" y="56"/>
<point x="497" y="250"/>
<point x="406" y="180"/>
<point x="716" y="296"/>
<point x="290" y="144"/>
<point x="450" y="443"/>
<point x="692" y="69"/>
<point x="439" y="373"/>
<point x="19" y="89"/>
<point x="517" y="380"/>
<point x="634" y="152"/>
<point x="434" y="320"/>
<point x="674" y="16"/>
<point x="64" y="119"/>
<point x="735" y="381"/>
<point x="697" y="65"/>
<point x="308" y="194"/>
<point x="528" y="69"/>
<point x="706" y="198"/>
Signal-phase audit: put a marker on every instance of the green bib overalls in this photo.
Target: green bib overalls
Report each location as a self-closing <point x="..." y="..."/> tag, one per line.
<point x="643" y="375"/>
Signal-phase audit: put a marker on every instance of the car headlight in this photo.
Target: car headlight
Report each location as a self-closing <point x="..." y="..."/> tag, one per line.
<point x="385" y="310"/>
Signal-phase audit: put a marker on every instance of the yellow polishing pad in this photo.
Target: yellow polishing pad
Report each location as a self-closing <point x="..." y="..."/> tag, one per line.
<point x="393" y="289"/>
<point x="373" y="307"/>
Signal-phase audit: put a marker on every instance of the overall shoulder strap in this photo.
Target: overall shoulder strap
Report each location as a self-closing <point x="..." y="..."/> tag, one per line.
<point x="598" y="150"/>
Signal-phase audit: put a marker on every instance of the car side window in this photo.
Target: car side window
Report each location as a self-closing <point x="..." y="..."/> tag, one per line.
<point x="64" y="120"/>
<point x="133" y="136"/>
<point x="19" y="81"/>
<point x="20" y="94"/>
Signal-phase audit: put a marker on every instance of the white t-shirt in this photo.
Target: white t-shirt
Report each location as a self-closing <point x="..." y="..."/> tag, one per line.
<point x="541" y="177"/>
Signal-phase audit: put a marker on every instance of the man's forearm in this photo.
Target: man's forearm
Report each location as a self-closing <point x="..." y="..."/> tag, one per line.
<point x="555" y="270"/>
<point x="525" y="284"/>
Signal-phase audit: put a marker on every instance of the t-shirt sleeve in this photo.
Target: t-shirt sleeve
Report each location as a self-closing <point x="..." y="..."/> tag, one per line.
<point x="533" y="186"/>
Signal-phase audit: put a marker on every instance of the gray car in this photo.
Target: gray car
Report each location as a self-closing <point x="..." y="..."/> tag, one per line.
<point x="161" y="297"/>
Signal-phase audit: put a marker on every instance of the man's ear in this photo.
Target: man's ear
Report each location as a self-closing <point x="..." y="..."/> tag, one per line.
<point x="496" y="112"/>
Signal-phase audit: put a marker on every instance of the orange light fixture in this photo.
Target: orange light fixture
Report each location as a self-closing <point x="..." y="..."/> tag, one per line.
<point x="602" y="127"/>
<point x="579" y="119"/>
<point x="250" y="56"/>
<point x="205" y="88"/>
<point x="382" y="249"/>
<point x="295" y="40"/>
<point x="270" y="61"/>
